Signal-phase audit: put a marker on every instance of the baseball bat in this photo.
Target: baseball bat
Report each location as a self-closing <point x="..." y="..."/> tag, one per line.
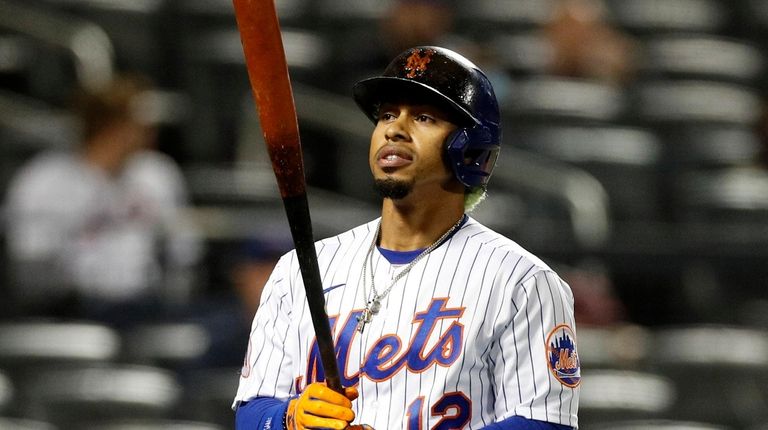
<point x="259" y="29"/>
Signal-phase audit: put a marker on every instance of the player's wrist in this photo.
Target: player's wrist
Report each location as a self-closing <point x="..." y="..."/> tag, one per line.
<point x="289" y="418"/>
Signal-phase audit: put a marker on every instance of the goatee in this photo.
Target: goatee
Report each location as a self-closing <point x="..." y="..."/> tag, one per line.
<point x="393" y="189"/>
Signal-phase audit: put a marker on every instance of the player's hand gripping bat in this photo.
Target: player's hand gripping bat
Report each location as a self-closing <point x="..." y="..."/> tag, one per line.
<point x="268" y="74"/>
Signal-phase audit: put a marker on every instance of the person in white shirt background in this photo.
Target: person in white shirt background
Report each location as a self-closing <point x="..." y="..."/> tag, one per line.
<point x="102" y="224"/>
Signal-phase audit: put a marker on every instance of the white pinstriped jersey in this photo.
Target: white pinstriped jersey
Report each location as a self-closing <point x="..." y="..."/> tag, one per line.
<point x="478" y="331"/>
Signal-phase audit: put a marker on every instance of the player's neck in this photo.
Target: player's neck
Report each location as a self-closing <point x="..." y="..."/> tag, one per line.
<point x="409" y="227"/>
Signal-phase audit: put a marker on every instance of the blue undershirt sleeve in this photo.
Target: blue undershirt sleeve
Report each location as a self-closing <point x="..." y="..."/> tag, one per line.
<point x="260" y="413"/>
<point x="520" y="423"/>
<point x="264" y="413"/>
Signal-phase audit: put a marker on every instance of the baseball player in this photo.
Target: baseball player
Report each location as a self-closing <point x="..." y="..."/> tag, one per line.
<point x="438" y="321"/>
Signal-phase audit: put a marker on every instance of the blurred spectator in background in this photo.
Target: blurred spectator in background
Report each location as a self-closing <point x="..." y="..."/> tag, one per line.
<point x="585" y="45"/>
<point x="405" y="23"/>
<point x="410" y="23"/>
<point x="102" y="224"/>
<point x="596" y="302"/>
<point x="228" y="318"/>
<point x="251" y="271"/>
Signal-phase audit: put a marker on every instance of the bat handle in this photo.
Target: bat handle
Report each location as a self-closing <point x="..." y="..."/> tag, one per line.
<point x="297" y="210"/>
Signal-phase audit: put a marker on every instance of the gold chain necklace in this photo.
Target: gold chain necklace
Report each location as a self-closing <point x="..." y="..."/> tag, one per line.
<point x="373" y="305"/>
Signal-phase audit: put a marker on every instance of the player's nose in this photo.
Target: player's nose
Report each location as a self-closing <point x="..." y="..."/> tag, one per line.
<point x="397" y="129"/>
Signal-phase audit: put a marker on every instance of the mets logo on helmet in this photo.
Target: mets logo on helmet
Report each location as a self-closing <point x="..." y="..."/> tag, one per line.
<point x="416" y="64"/>
<point x="563" y="360"/>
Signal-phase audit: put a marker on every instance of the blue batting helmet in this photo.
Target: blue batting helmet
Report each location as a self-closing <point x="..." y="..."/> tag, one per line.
<point x="457" y="85"/>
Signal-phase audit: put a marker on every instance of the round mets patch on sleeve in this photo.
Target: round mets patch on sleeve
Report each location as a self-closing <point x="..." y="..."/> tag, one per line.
<point x="562" y="358"/>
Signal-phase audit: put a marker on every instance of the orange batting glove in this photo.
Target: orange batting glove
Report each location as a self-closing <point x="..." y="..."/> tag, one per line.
<point x="321" y="407"/>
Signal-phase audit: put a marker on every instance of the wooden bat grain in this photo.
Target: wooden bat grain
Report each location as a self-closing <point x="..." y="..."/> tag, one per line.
<point x="262" y="42"/>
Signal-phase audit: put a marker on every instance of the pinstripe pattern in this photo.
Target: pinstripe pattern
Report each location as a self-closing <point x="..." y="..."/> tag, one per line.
<point x="482" y="306"/>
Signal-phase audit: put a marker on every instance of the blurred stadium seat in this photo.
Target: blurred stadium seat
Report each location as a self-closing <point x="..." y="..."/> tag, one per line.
<point x="711" y="145"/>
<point x="521" y="53"/>
<point x="620" y="346"/>
<point x="485" y="15"/>
<point x="16" y="56"/>
<point x="66" y="50"/>
<point x="7" y="423"/>
<point x="626" y="160"/>
<point x="6" y="392"/>
<point x="754" y="312"/>
<point x="668" y="102"/>
<point x="154" y="425"/>
<point x="738" y="194"/>
<point x="29" y="125"/>
<point x="608" y="395"/>
<point x="657" y="16"/>
<point x="40" y="342"/>
<point x="563" y="203"/>
<point x="720" y="372"/>
<point x="658" y="425"/>
<point x="72" y="396"/>
<point x="166" y="344"/>
<point x="742" y="347"/>
<point x="549" y="98"/>
<point x="221" y="12"/>
<point x="693" y="56"/>
<point x="213" y="71"/>
<point x="352" y="12"/>
<point x="209" y="393"/>
<point x="134" y="28"/>
<point x="756" y="14"/>
<point x="628" y="146"/>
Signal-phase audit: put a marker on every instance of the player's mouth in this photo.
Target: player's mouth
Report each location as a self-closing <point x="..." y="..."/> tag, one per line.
<point x="393" y="156"/>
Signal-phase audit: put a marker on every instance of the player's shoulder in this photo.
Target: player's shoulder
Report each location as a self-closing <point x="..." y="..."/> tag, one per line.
<point x="484" y="237"/>
<point x="49" y="163"/>
<point x="156" y="175"/>
<point x="47" y="172"/>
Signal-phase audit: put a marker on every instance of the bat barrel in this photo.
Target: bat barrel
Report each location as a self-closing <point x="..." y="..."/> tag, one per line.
<point x="271" y="86"/>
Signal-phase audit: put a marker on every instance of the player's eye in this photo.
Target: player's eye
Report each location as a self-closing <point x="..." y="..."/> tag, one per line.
<point x="386" y="116"/>
<point x="424" y="118"/>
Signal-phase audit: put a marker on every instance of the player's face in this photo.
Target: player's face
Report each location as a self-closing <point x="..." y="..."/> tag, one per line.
<point x="407" y="148"/>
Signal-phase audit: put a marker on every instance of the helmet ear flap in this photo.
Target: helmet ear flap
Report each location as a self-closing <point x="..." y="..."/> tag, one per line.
<point x="472" y="155"/>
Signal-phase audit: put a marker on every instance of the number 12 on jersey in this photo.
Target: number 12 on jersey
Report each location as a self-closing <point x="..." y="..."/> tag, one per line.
<point x="454" y="408"/>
